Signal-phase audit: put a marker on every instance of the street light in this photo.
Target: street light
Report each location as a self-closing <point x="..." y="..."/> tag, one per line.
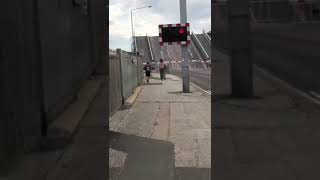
<point x="134" y="47"/>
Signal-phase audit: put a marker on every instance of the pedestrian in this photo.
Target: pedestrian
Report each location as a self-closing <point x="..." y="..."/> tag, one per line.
<point x="162" y="68"/>
<point x="147" y="70"/>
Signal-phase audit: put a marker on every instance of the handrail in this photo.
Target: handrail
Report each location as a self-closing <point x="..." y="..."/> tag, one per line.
<point x="196" y="50"/>
<point x="207" y="56"/>
<point x="150" y="47"/>
<point x="190" y="52"/>
<point x="207" y="37"/>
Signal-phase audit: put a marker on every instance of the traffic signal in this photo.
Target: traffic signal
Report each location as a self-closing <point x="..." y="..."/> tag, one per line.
<point x="182" y="31"/>
<point x="174" y="33"/>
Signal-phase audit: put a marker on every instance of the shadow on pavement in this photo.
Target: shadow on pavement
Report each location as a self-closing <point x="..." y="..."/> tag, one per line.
<point x="190" y="173"/>
<point x="218" y="97"/>
<point x="147" y="158"/>
<point x="155" y="78"/>
<point x="150" y="159"/>
<point x="171" y="78"/>
<point x="152" y="84"/>
<point x="175" y="92"/>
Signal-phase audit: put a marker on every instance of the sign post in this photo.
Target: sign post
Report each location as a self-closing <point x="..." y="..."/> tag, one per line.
<point x="184" y="53"/>
<point x="241" y="60"/>
<point x="178" y="34"/>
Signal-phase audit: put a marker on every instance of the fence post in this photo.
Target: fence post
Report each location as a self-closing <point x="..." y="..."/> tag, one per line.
<point x="269" y="12"/>
<point x="136" y="58"/>
<point x="140" y="71"/>
<point x="121" y="78"/>
<point x="310" y="7"/>
<point x="241" y="59"/>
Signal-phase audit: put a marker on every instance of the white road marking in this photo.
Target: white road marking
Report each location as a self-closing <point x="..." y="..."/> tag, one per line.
<point x="314" y="94"/>
<point x="190" y="52"/>
<point x="208" y="92"/>
<point x="199" y="88"/>
<point x="306" y="95"/>
<point x="169" y="54"/>
<point x="161" y="54"/>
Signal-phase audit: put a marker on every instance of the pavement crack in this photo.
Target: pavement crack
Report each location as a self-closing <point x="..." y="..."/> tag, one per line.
<point x="241" y="106"/>
<point x="122" y="120"/>
<point x="197" y="152"/>
<point x="155" y="120"/>
<point x="169" y="122"/>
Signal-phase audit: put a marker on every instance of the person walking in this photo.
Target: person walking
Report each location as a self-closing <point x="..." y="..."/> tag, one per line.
<point x="147" y="69"/>
<point x="162" y="68"/>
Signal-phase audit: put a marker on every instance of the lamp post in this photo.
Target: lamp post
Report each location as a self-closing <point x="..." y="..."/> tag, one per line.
<point x="134" y="47"/>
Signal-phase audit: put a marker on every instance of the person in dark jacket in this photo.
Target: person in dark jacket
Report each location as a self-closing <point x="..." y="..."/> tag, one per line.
<point x="147" y="69"/>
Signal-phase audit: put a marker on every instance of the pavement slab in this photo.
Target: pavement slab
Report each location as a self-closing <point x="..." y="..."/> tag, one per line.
<point x="161" y="129"/>
<point x="165" y="128"/>
<point x="147" y="158"/>
<point x="271" y="136"/>
<point x="193" y="173"/>
<point x="86" y="156"/>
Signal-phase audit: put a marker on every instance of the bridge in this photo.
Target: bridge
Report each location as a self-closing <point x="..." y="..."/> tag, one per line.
<point x="199" y="50"/>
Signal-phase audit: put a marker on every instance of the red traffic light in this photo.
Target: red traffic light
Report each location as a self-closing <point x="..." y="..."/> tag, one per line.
<point x="174" y="33"/>
<point x="181" y="31"/>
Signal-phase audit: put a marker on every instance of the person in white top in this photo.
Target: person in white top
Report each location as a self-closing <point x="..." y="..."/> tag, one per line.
<point x="162" y="68"/>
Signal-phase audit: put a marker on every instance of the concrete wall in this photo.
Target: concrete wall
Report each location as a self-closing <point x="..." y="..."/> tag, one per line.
<point x="99" y="32"/>
<point x="48" y="49"/>
<point x="65" y="45"/>
<point x="73" y="43"/>
<point x="20" y="96"/>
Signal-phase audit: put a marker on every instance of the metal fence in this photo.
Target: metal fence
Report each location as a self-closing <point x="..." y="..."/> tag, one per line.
<point x="264" y="15"/>
<point x="70" y="50"/>
<point x="115" y="86"/>
<point x="125" y="74"/>
<point x="272" y="11"/>
<point x="284" y="11"/>
<point x="129" y="70"/>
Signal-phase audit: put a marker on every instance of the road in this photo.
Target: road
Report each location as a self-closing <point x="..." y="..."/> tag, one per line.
<point x="294" y="60"/>
<point x="200" y="77"/>
<point x="289" y="52"/>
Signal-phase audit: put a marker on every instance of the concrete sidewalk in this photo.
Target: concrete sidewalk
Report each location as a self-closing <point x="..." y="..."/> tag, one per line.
<point x="84" y="157"/>
<point x="165" y="135"/>
<point x="272" y="137"/>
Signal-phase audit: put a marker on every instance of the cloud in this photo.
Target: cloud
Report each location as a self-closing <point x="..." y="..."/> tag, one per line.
<point x="119" y="42"/>
<point x="147" y="20"/>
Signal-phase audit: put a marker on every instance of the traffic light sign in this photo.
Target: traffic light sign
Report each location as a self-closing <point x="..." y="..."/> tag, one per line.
<point x="174" y="34"/>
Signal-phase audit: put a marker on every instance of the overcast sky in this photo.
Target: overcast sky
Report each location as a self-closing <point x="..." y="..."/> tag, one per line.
<point x="147" y="20"/>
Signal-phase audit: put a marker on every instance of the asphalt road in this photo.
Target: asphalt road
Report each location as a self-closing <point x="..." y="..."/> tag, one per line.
<point x="200" y="77"/>
<point x="296" y="62"/>
<point x="290" y="52"/>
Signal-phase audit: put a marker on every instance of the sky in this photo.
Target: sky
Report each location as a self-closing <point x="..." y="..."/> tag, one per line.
<point x="146" y="21"/>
